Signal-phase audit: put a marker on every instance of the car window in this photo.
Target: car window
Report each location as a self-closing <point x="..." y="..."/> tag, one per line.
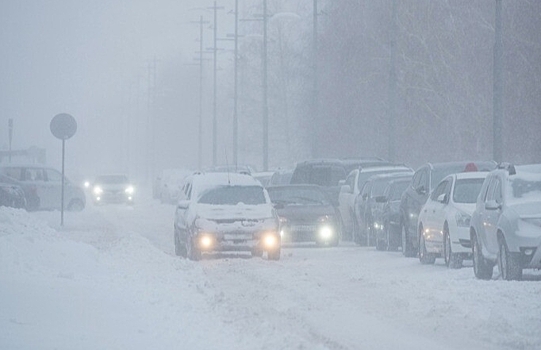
<point x="34" y="174"/>
<point x="525" y="187"/>
<point x="396" y="190"/>
<point x="366" y="188"/>
<point x="350" y="180"/>
<point x="467" y="190"/>
<point x="438" y="190"/>
<point x="416" y="179"/>
<point x="233" y="195"/>
<point x="14" y="173"/>
<point x="423" y="180"/>
<point x="296" y="195"/>
<point x="53" y="175"/>
<point x="498" y="197"/>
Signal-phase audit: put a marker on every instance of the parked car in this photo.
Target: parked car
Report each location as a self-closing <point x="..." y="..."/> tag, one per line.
<point x="42" y="187"/>
<point x="225" y="212"/>
<point x="329" y="172"/>
<point x="387" y="214"/>
<point x="113" y="188"/>
<point x="306" y="214"/>
<point x="11" y="195"/>
<point x="281" y="177"/>
<point x="351" y="188"/>
<point x="415" y="196"/>
<point x="444" y="220"/>
<point x="364" y="231"/>
<point x="506" y="224"/>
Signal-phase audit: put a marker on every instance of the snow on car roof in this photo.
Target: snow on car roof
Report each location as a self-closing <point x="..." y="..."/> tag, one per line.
<point x="217" y="179"/>
<point x="471" y="175"/>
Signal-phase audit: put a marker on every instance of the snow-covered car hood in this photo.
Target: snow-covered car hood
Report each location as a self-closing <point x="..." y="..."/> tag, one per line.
<point x="467" y="208"/>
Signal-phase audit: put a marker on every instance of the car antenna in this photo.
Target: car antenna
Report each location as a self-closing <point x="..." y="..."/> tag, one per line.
<point x="227" y="168"/>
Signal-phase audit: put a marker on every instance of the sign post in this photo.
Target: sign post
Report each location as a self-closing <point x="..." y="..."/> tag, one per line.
<point x="63" y="126"/>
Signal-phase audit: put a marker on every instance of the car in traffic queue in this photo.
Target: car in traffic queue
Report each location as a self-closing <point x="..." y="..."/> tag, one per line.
<point x="444" y="220"/>
<point x="505" y="227"/>
<point x="113" y="188"/>
<point x="387" y="214"/>
<point x="220" y="212"/>
<point x="306" y="214"/>
<point x="42" y="186"/>
<point x="424" y="180"/>
<point x="365" y="226"/>
<point x="280" y="177"/>
<point x="11" y="195"/>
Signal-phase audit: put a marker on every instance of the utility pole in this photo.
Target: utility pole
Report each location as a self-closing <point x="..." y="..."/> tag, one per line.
<point x="392" y="82"/>
<point x="497" y="94"/>
<point x="265" y="93"/>
<point x="315" y="102"/>
<point x="215" y="87"/>
<point x="235" y="93"/>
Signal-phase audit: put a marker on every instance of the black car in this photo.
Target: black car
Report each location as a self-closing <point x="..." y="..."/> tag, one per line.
<point x="329" y="172"/>
<point x="11" y="195"/>
<point x="364" y="229"/>
<point x="387" y="215"/>
<point x="306" y="214"/>
<point x="416" y="195"/>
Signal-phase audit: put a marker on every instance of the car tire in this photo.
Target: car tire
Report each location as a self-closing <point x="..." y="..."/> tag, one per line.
<point x="424" y="257"/>
<point x="481" y="267"/>
<point x="356" y="234"/>
<point x="381" y="245"/>
<point x="508" y="264"/>
<point x="274" y="254"/>
<point x="76" y="205"/>
<point x="452" y="260"/>
<point x="407" y="247"/>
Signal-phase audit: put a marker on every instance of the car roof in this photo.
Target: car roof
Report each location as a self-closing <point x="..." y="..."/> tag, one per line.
<point x="309" y="186"/>
<point x="471" y="175"/>
<point x="481" y="165"/>
<point x="387" y="167"/>
<point x="223" y="178"/>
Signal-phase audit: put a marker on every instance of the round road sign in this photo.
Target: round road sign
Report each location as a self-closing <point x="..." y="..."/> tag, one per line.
<point x="63" y="126"/>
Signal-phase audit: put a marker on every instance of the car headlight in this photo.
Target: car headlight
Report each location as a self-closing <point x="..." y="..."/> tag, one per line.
<point x="326" y="232"/>
<point x="462" y="219"/>
<point x="270" y="240"/>
<point x="129" y="190"/>
<point x="98" y="190"/>
<point x="378" y="226"/>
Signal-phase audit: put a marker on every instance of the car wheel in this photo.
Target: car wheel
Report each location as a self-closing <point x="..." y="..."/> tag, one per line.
<point x="356" y="234"/>
<point x="424" y="257"/>
<point x="508" y="264"/>
<point x="76" y="205"/>
<point x="481" y="267"/>
<point x="192" y="252"/>
<point x="274" y="254"/>
<point x="452" y="260"/>
<point x="407" y="247"/>
<point x="380" y="244"/>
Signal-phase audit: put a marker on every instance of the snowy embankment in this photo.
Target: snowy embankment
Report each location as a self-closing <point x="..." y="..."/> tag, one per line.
<point x="108" y="280"/>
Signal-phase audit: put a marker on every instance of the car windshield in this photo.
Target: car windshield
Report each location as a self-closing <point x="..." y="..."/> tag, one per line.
<point x="233" y="195"/>
<point x="112" y="179"/>
<point x="397" y="189"/>
<point x="297" y="196"/>
<point x="467" y="190"/>
<point x="524" y="187"/>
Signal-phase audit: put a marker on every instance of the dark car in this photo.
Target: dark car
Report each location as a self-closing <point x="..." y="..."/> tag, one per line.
<point x="306" y="214"/>
<point x="365" y="203"/>
<point x="329" y="172"/>
<point x="387" y="214"/>
<point x="42" y="187"/>
<point x="425" y="178"/>
<point x="113" y="189"/>
<point x="11" y="195"/>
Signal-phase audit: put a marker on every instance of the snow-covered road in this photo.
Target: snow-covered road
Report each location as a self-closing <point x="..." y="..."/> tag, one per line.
<point x="109" y="279"/>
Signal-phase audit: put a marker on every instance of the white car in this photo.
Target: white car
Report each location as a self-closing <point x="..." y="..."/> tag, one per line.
<point x="225" y="212"/>
<point x="444" y="220"/>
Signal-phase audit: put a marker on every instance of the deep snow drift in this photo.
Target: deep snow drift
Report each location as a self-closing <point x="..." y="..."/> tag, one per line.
<point x="108" y="279"/>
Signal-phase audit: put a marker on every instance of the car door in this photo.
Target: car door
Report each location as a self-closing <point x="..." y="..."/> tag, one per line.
<point x="492" y="215"/>
<point x="439" y="213"/>
<point x="182" y="210"/>
<point x="418" y="199"/>
<point x="426" y="214"/>
<point x="53" y="184"/>
<point x="346" y="200"/>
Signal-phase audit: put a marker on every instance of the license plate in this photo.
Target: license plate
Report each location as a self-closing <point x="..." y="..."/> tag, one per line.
<point x="235" y="237"/>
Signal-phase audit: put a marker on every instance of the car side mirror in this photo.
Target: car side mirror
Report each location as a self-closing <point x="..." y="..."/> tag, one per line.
<point x="345" y="189"/>
<point x="381" y="199"/>
<point x="442" y="198"/>
<point x="183" y="205"/>
<point x="492" y="205"/>
<point x="421" y="190"/>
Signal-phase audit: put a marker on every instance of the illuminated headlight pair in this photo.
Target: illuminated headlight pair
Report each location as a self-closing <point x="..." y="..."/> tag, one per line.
<point x="378" y="226"/>
<point x="462" y="219"/>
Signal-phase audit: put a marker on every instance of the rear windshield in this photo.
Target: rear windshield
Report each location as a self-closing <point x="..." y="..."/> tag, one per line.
<point x="319" y="175"/>
<point x="296" y="195"/>
<point x="233" y="195"/>
<point x="363" y="176"/>
<point x="397" y="189"/>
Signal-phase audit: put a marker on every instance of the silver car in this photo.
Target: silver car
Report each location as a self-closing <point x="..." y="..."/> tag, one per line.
<point x="506" y="224"/>
<point x="43" y="187"/>
<point x="225" y="212"/>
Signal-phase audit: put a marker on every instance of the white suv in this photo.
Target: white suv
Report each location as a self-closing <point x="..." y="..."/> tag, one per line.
<point x="225" y="212"/>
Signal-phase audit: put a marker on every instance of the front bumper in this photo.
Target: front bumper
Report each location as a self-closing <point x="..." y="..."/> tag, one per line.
<point x="113" y="197"/>
<point x="303" y="232"/>
<point x="237" y="241"/>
